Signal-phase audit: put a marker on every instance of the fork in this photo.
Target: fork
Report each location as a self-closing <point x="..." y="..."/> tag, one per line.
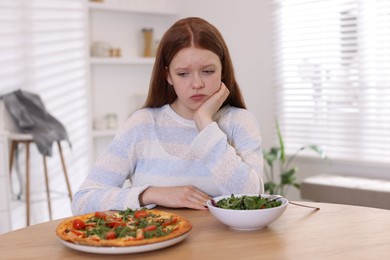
<point x="276" y="197"/>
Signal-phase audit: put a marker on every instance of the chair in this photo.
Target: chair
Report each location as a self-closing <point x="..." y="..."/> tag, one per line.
<point x="16" y="138"/>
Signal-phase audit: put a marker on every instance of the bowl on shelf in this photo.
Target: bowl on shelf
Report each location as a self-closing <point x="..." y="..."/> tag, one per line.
<point x="246" y="219"/>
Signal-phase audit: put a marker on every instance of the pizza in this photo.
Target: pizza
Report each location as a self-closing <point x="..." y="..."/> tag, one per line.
<point x="123" y="228"/>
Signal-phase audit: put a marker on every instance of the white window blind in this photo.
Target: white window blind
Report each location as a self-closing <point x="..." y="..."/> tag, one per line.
<point x="333" y="77"/>
<point x="43" y="49"/>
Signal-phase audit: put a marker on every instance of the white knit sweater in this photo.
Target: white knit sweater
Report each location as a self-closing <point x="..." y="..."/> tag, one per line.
<point x="157" y="147"/>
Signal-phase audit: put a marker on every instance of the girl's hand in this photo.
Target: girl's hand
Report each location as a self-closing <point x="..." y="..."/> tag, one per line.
<point x="203" y="116"/>
<point x="175" y="197"/>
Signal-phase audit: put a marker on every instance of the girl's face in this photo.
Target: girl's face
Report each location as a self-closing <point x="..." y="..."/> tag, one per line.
<point x="195" y="75"/>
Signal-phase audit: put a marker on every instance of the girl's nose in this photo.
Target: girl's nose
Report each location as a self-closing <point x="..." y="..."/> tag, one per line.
<point x="197" y="82"/>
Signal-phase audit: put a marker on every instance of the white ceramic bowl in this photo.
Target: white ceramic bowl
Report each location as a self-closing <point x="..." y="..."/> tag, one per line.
<point x="247" y="220"/>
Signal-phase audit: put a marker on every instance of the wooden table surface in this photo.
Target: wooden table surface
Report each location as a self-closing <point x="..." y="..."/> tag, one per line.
<point x="333" y="232"/>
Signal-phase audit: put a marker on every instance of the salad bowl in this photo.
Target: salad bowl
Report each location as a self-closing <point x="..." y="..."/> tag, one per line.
<point x="249" y="217"/>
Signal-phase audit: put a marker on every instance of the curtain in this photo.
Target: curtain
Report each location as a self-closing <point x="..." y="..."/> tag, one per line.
<point x="332" y="77"/>
<point x="44" y="49"/>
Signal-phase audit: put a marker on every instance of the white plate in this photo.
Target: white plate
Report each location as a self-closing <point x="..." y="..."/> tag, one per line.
<point x="124" y="249"/>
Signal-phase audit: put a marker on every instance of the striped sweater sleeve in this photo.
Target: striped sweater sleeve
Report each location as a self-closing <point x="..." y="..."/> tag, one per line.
<point x="104" y="188"/>
<point x="236" y="163"/>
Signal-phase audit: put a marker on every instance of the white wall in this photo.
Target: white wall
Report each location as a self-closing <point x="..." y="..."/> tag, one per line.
<point x="246" y="27"/>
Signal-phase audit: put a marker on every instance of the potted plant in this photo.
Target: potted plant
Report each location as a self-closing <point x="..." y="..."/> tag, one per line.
<point x="275" y="159"/>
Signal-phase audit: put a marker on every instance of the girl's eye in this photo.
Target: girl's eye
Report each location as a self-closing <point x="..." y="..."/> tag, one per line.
<point x="208" y="71"/>
<point x="182" y="74"/>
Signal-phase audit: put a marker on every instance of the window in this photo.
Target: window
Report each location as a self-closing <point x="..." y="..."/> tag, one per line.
<point x="43" y="49"/>
<point x="333" y="77"/>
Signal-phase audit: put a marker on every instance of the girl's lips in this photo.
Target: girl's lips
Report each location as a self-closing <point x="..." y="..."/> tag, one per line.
<point x="197" y="97"/>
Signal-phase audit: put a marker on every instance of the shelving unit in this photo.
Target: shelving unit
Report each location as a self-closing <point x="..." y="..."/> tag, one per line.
<point x="122" y="61"/>
<point x="5" y="208"/>
<point x="159" y="7"/>
<point x="5" y="189"/>
<point x="118" y="85"/>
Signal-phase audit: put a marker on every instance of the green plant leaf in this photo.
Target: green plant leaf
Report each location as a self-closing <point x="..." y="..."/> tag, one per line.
<point x="271" y="156"/>
<point x="270" y="187"/>
<point x="287" y="173"/>
<point x="318" y="150"/>
<point x="281" y="143"/>
<point x="312" y="147"/>
<point x="288" y="177"/>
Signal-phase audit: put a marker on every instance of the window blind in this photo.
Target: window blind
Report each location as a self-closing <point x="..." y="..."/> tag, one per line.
<point x="43" y="49"/>
<point x="332" y="77"/>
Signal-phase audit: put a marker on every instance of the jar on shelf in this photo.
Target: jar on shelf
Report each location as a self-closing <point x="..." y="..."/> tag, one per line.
<point x="148" y="41"/>
<point x="100" y="49"/>
<point x="115" y="52"/>
<point x="112" y="121"/>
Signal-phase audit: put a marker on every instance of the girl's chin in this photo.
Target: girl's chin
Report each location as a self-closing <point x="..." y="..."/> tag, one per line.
<point x="194" y="107"/>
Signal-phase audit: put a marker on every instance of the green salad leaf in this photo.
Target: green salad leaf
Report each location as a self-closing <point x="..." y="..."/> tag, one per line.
<point x="247" y="202"/>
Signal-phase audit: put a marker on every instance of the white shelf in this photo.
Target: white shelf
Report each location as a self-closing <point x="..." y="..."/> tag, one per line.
<point x="118" y="84"/>
<point x="122" y="61"/>
<point x="135" y="7"/>
<point x="104" y="133"/>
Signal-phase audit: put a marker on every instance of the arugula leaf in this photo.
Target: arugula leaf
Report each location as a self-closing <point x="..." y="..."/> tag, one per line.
<point x="247" y="203"/>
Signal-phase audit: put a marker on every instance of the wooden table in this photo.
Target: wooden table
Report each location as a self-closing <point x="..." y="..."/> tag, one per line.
<point x="334" y="232"/>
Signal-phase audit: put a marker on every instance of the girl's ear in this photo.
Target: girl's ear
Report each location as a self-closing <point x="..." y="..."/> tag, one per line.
<point x="169" y="79"/>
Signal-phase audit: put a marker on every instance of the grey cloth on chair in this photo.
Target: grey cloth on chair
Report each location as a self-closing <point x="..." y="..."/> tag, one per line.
<point x="30" y="116"/>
